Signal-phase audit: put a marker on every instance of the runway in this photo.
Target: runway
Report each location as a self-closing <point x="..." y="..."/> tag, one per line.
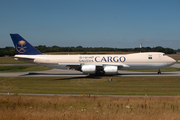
<point x="72" y="73"/>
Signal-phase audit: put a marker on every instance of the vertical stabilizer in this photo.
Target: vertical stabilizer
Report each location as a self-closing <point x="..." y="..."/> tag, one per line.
<point x="23" y="47"/>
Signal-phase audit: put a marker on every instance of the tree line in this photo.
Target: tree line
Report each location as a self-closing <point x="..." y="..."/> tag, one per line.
<point x="10" y="51"/>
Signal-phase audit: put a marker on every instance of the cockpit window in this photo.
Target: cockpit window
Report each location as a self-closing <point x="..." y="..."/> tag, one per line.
<point x="164" y="54"/>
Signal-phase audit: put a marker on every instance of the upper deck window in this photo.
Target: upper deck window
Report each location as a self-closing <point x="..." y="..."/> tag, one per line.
<point x="164" y="54"/>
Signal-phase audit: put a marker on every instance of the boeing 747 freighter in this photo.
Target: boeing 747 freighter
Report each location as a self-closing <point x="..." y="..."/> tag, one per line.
<point x="91" y="64"/>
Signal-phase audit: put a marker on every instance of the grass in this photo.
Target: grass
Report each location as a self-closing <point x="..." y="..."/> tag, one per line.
<point x="177" y="54"/>
<point x="90" y="108"/>
<point x="12" y="68"/>
<point x="9" y="60"/>
<point x="23" y="68"/>
<point x="18" y="107"/>
<point x="84" y="85"/>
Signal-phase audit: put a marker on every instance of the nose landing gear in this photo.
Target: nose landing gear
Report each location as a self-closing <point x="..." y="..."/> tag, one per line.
<point x="159" y="72"/>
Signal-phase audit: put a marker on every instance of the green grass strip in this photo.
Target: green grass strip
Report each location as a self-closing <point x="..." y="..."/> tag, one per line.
<point x="23" y="68"/>
<point x="85" y="85"/>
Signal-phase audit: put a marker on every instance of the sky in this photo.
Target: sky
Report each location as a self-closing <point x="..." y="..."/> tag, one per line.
<point x="92" y="23"/>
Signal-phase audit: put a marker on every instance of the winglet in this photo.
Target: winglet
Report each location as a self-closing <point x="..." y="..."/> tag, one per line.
<point x="23" y="47"/>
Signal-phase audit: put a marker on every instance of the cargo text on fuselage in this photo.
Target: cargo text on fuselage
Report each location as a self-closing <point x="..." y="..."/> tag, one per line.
<point x="102" y="59"/>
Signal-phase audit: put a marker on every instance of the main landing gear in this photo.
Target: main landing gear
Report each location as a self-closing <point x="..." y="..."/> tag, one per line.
<point x="159" y="72"/>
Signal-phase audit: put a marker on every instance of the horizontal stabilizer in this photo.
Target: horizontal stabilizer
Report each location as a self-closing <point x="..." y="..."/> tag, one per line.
<point x="29" y="60"/>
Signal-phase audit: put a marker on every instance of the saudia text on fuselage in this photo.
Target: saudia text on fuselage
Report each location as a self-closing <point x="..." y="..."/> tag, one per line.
<point x="88" y="59"/>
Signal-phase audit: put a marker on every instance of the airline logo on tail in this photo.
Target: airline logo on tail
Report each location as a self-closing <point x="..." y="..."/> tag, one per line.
<point x="21" y="46"/>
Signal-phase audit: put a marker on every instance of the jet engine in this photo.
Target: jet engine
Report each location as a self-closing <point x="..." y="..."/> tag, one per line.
<point x="110" y="69"/>
<point x="88" y="69"/>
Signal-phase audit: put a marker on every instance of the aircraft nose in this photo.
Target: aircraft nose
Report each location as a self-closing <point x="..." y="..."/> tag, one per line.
<point x="172" y="61"/>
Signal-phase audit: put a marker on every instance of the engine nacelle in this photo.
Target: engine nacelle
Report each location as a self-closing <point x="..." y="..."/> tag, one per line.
<point x="88" y="69"/>
<point x="110" y="69"/>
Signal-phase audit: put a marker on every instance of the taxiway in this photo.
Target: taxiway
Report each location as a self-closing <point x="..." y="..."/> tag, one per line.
<point x="72" y="73"/>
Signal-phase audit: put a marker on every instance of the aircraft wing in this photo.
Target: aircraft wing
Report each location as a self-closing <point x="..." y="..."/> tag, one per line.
<point x="77" y="66"/>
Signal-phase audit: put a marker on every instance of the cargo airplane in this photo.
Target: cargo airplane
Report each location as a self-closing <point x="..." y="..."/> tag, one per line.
<point x="91" y="64"/>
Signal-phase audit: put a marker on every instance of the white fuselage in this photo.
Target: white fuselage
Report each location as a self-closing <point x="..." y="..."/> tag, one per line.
<point x="149" y="60"/>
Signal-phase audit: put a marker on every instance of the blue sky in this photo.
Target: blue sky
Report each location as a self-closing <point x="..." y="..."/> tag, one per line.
<point x="92" y="23"/>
